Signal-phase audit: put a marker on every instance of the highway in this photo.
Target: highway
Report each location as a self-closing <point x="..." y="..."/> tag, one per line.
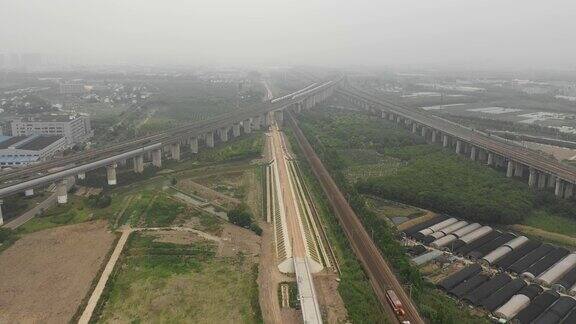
<point x="496" y="145"/>
<point x="36" y="174"/>
<point x="377" y="269"/>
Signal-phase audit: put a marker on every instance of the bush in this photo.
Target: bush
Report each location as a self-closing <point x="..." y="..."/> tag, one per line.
<point x="99" y="201"/>
<point x="242" y="217"/>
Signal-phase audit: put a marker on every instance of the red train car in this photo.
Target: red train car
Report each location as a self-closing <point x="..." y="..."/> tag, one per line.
<point x="395" y="302"/>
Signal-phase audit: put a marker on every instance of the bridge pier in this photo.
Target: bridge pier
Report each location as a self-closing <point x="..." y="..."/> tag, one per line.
<point x="175" y="151"/>
<point x="510" y="169"/>
<point x="384" y="115"/>
<point x="236" y="130"/>
<point x="139" y="163"/>
<point x="434" y="135"/>
<point x="518" y="170"/>
<point x="81" y="175"/>
<point x="458" y="146"/>
<point x="247" y="125"/>
<point x="157" y="158"/>
<point x="445" y="141"/>
<point x="559" y="188"/>
<point x="223" y="134"/>
<point x="210" y="139"/>
<point x="1" y="217"/>
<point x="111" y="174"/>
<point x="490" y="159"/>
<point x="414" y="128"/>
<point x="551" y="181"/>
<point x="473" y="150"/>
<point x="194" y="145"/>
<point x="29" y="192"/>
<point x="423" y="131"/>
<point x="532" y="178"/>
<point x="541" y="180"/>
<point x="62" y="191"/>
<point x="390" y="116"/>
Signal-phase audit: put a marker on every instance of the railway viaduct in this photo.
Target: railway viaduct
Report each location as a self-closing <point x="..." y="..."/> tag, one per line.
<point x="62" y="172"/>
<point x="541" y="171"/>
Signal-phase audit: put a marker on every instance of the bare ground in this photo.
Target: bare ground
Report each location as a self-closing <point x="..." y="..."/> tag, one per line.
<point x="329" y="299"/>
<point x="45" y="275"/>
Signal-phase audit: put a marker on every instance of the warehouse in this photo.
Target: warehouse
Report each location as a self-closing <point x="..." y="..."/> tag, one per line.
<point x="456" y="278"/>
<point x="537" y="307"/>
<point x="516" y="255"/>
<point x="518" y="302"/>
<point x="486" y="289"/>
<point x="546" y="262"/>
<point x="467" y="248"/>
<point x="500" y="252"/>
<point x="467" y="286"/>
<point x="502" y="295"/>
<point x="490" y="246"/>
<point x="566" y="282"/>
<point x="20" y="151"/>
<point x="530" y="258"/>
<point x="558" y="270"/>
<point x="557" y="311"/>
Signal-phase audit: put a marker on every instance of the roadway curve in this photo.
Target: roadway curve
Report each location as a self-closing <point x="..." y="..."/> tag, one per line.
<point x="379" y="272"/>
<point x="496" y="145"/>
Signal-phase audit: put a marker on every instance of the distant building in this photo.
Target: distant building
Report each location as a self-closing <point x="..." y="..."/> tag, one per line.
<point x="23" y="150"/>
<point x="75" y="130"/>
<point x="72" y="88"/>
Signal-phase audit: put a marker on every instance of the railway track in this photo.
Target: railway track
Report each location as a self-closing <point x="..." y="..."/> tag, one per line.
<point x="377" y="269"/>
<point x="502" y="147"/>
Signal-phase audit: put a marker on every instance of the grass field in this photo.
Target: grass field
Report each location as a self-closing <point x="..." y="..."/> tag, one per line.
<point x="180" y="283"/>
<point x="72" y="213"/>
<point x="551" y="223"/>
<point x="384" y="208"/>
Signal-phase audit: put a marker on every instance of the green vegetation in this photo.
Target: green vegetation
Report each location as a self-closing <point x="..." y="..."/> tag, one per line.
<point x="241" y="216"/>
<point x="179" y="283"/>
<point x="7" y="238"/>
<point x="552" y="223"/>
<point x="74" y="212"/>
<point x="328" y="135"/>
<point x="242" y="148"/>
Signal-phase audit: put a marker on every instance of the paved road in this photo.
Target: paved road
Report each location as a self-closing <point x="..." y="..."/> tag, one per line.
<point x="379" y="272"/>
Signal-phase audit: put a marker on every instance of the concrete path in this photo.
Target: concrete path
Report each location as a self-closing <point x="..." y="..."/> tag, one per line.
<point x="93" y="301"/>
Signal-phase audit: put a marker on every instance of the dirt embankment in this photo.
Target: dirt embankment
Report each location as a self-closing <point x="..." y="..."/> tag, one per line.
<point x="45" y="275"/>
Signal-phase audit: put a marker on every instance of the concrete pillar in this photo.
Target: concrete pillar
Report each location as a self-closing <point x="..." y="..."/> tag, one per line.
<point x="510" y="169"/>
<point x="1" y="217"/>
<point x="458" y="146"/>
<point x="82" y="175"/>
<point x="490" y="160"/>
<point x="256" y="123"/>
<point x="414" y="128"/>
<point x="518" y="170"/>
<point x="247" y="125"/>
<point x="139" y="163"/>
<point x="568" y="190"/>
<point x="194" y="145"/>
<point x="398" y="119"/>
<point x="384" y="115"/>
<point x="175" y="151"/>
<point x="423" y="131"/>
<point x="551" y="181"/>
<point x="111" y="174"/>
<point x="223" y="134"/>
<point x="542" y="180"/>
<point x="29" y="192"/>
<point x="157" y="158"/>
<point x="444" y="140"/>
<point x="210" y="139"/>
<point x="559" y="188"/>
<point x="434" y="134"/>
<point x="62" y="191"/>
<point x="473" y="151"/>
<point x="236" y="130"/>
<point x="532" y="178"/>
<point x="390" y="116"/>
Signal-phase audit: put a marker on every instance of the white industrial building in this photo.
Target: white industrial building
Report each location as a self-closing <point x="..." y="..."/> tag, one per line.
<point x="23" y="150"/>
<point x="75" y="129"/>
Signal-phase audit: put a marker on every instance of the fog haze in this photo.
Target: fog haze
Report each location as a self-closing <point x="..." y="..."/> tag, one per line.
<point x="536" y="34"/>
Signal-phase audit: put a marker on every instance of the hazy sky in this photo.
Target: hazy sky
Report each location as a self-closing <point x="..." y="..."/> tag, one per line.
<point x="532" y="33"/>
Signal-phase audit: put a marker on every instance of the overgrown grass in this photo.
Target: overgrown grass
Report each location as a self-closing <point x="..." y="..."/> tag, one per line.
<point x="242" y="148"/>
<point x="552" y="223"/>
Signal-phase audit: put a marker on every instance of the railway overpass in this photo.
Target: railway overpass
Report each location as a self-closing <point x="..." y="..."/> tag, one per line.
<point x="541" y="170"/>
<point x="154" y="147"/>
